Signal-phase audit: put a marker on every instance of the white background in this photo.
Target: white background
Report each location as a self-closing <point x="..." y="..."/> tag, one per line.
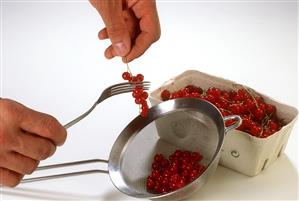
<point x="52" y="61"/>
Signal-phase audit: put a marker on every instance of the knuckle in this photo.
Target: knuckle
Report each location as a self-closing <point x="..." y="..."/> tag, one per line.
<point x="15" y="180"/>
<point x="9" y="178"/>
<point x="4" y="103"/>
<point x="62" y="135"/>
<point x="116" y="30"/>
<point x="45" y="150"/>
<point x="157" y="36"/>
<point x="10" y="109"/>
<point x="54" y="130"/>
<point x="2" y="136"/>
<point x="3" y="160"/>
<point x="49" y="123"/>
<point x="16" y="144"/>
<point x="7" y="142"/>
<point x="31" y="166"/>
<point x="7" y="118"/>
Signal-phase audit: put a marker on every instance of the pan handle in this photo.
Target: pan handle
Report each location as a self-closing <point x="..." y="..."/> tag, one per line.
<point x="47" y="177"/>
<point x="238" y="122"/>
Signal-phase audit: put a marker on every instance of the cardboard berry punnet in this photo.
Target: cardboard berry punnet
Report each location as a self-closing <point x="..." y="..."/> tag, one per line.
<point x="241" y="151"/>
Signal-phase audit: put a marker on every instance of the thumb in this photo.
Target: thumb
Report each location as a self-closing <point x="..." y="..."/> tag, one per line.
<point x="112" y="15"/>
<point x="119" y="36"/>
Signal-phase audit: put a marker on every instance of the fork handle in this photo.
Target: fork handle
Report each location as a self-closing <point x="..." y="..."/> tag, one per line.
<point x="73" y="122"/>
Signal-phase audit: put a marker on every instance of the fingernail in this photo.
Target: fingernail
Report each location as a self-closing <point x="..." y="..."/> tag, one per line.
<point x="120" y="49"/>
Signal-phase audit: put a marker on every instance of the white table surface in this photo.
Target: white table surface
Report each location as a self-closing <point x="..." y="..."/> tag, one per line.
<point x="52" y="61"/>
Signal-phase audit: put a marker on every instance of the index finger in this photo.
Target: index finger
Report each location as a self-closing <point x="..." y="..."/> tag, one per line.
<point x="142" y="43"/>
<point x="43" y="125"/>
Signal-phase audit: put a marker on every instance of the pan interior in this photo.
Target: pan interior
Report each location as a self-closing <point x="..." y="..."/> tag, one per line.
<point x="192" y="130"/>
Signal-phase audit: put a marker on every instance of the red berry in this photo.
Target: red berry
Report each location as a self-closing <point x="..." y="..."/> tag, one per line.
<point x="185" y="172"/>
<point x="180" y="183"/>
<point x="235" y="109"/>
<point x="256" y="130"/>
<point x="246" y="122"/>
<point x="178" y="153"/>
<point x="138" y="100"/>
<point x="165" y="163"/>
<point x="150" y="184"/>
<point x="225" y="95"/>
<point x="262" y="106"/>
<point x="214" y="92"/>
<point x="158" y="157"/>
<point x="237" y="97"/>
<point x="144" y="106"/>
<point x="144" y="95"/>
<point x="165" y="182"/>
<point x="259" y="114"/>
<point x="158" y="187"/>
<point x="137" y="92"/>
<point x="155" y="166"/>
<point x="229" y="122"/>
<point x="166" y="174"/>
<point x="266" y="132"/>
<point x="270" y="109"/>
<point x="250" y="105"/>
<point x="259" y="99"/>
<point x="210" y="98"/>
<point x="156" y="174"/>
<point x="242" y="93"/>
<point x="225" y="112"/>
<point x="186" y="154"/>
<point x="165" y="95"/>
<point x="273" y="125"/>
<point x="139" y="78"/>
<point x="223" y="103"/>
<point x="144" y="113"/>
<point x="218" y="105"/>
<point x="195" y="156"/>
<point x="197" y="90"/>
<point x="172" y="186"/>
<point x="126" y="76"/>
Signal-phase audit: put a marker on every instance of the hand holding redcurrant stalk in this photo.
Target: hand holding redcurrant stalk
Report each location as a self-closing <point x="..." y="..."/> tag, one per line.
<point x="131" y="25"/>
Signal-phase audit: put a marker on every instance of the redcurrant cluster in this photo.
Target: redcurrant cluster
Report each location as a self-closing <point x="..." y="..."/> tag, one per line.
<point x="259" y="118"/>
<point x="180" y="169"/>
<point x="138" y="93"/>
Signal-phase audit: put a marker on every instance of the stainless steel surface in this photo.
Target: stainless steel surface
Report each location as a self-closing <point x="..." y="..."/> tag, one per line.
<point x="232" y="117"/>
<point x="61" y="165"/>
<point x="108" y="92"/>
<point x="130" y="159"/>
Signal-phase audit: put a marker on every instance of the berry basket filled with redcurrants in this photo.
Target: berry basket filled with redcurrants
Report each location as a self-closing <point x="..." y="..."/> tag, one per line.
<point x="266" y="123"/>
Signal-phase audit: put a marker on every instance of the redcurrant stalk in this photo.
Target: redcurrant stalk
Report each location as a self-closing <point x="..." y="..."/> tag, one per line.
<point x="138" y="93"/>
<point x="252" y="96"/>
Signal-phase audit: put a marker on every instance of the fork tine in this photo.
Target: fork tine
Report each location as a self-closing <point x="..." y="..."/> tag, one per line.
<point x="121" y="92"/>
<point x="125" y="91"/>
<point x="147" y="84"/>
<point x="128" y="88"/>
<point x="127" y="84"/>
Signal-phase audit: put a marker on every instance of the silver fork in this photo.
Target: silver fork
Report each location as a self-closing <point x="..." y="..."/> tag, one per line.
<point x="108" y="92"/>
